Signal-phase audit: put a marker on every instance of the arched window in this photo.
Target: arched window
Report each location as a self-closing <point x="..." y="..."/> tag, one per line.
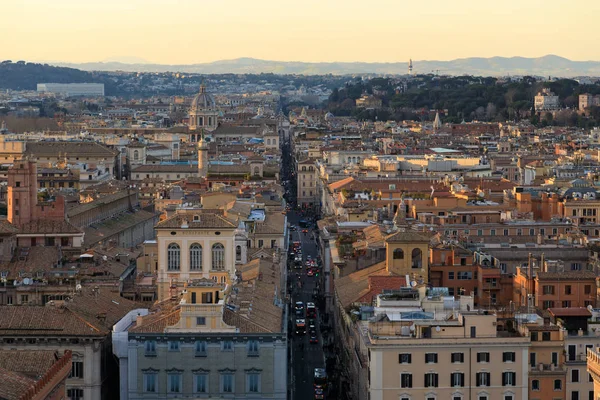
<point x="218" y="256"/>
<point x="416" y="258"/>
<point x="268" y="141"/>
<point x="173" y="257"/>
<point x="398" y="254"/>
<point x="238" y="253"/>
<point x="195" y="257"/>
<point x="136" y="155"/>
<point x="256" y="171"/>
<point x="349" y="160"/>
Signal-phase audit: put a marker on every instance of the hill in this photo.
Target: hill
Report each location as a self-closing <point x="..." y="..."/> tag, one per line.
<point x="26" y="76"/>
<point x="549" y="65"/>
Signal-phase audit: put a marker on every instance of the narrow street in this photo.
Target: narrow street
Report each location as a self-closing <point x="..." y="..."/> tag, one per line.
<point x="305" y="356"/>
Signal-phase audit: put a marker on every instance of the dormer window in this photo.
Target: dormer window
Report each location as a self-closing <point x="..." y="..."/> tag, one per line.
<point x="196" y="218"/>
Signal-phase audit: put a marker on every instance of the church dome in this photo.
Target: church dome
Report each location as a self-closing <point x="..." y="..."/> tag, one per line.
<point x="202" y="101"/>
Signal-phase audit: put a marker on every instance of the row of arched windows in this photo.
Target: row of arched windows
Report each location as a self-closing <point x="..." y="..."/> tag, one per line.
<point x="416" y="255"/>
<point x="174" y="257"/>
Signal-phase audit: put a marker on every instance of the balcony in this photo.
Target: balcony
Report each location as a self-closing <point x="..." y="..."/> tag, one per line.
<point x="548" y="369"/>
<point x="576" y="359"/>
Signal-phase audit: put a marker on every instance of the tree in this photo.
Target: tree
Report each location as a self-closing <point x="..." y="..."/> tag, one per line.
<point x="490" y="111"/>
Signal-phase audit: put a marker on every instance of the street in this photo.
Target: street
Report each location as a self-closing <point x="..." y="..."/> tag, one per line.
<point x="305" y="356"/>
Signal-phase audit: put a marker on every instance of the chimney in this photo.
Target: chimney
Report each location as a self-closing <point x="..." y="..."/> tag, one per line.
<point x="138" y="320"/>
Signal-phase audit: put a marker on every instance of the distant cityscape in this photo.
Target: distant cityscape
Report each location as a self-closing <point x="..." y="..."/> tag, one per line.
<point x="420" y="235"/>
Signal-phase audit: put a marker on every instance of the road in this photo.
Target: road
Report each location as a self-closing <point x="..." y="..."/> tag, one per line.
<point x="305" y="356"/>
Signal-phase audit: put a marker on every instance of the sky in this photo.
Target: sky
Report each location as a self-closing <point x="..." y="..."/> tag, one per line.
<point x="197" y="31"/>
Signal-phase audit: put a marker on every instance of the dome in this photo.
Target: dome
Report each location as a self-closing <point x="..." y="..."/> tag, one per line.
<point x="202" y="101"/>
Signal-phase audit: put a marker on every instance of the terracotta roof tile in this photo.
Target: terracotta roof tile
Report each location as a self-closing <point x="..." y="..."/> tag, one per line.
<point x="205" y="220"/>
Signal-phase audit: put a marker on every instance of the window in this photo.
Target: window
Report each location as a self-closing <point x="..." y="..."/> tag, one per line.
<point x="575" y="395"/>
<point x="200" y="348"/>
<point x="492" y="232"/>
<point x="548" y="289"/>
<point x="200" y="382"/>
<point x="398" y="254"/>
<point x="173" y="257"/>
<point x="404" y="358"/>
<point x="457" y="357"/>
<point x="227" y="345"/>
<point x="174" y="382"/>
<point x="238" y="253"/>
<point x="547" y="304"/>
<point x="567" y="289"/>
<point x="509" y="379"/>
<point x="227" y="382"/>
<point x="195" y="257"/>
<point x="253" y="348"/>
<point x="431" y="379"/>
<point x="417" y="258"/>
<point x="464" y="275"/>
<point x="150" y="381"/>
<point x="508" y="356"/>
<point x="451" y="275"/>
<point x="575" y="375"/>
<point x="173" y="345"/>
<point x="483" y="357"/>
<point x="457" y="379"/>
<point x="76" y="369"/>
<point x="200" y="320"/>
<point x="482" y="379"/>
<point x="508" y="397"/>
<point x="406" y="380"/>
<point x="532" y="358"/>
<point x="555" y="359"/>
<point x="557" y="384"/>
<point x="253" y="382"/>
<point x="218" y="256"/>
<point x="75" y="394"/>
<point x="150" y="347"/>
<point x="587" y="289"/>
<point x="261" y="243"/>
<point x="431" y="358"/>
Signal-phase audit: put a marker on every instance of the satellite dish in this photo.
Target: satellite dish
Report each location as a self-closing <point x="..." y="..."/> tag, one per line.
<point x="78" y="287"/>
<point x="412" y="328"/>
<point x="590" y="308"/>
<point x="413" y="283"/>
<point x="437" y="329"/>
<point x="26" y="281"/>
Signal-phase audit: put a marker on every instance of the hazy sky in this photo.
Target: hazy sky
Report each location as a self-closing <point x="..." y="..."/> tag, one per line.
<point x="193" y="31"/>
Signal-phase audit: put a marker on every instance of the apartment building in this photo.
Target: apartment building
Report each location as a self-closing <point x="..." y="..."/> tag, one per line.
<point x="214" y="340"/>
<point x="442" y="351"/>
<point x="307" y="184"/>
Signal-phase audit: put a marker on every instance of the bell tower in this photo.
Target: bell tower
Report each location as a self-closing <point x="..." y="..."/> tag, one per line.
<point x="202" y="157"/>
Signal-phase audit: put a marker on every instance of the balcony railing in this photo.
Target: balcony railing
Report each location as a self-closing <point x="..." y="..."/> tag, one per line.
<point x="576" y="359"/>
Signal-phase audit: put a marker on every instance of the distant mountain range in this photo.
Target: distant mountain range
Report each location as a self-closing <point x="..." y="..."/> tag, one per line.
<point x="549" y="65"/>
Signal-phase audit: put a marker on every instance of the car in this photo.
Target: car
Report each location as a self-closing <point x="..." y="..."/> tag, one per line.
<point x="319" y="394"/>
<point x="312" y="328"/>
<point x="310" y="272"/>
<point x="304" y="230"/>
<point x="313" y="339"/>
<point x="299" y="306"/>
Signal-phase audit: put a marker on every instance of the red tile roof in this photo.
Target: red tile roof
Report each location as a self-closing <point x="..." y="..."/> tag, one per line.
<point x="379" y="283"/>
